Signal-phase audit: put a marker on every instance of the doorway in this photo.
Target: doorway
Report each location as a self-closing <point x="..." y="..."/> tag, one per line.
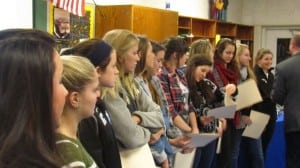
<point x="276" y="38"/>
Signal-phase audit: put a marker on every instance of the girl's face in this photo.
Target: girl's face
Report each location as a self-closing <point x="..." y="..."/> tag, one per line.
<point x="107" y="78"/>
<point x="265" y="62"/>
<point x="158" y="60"/>
<point x="150" y="57"/>
<point x="130" y="59"/>
<point x="228" y="53"/>
<point x="200" y="72"/>
<point x="183" y="59"/>
<point x="245" y="57"/>
<point x="59" y="90"/>
<point x="88" y="96"/>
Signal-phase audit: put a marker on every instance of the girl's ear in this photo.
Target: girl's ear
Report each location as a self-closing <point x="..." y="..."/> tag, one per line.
<point x="99" y="71"/>
<point x="74" y="98"/>
<point x="174" y="55"/>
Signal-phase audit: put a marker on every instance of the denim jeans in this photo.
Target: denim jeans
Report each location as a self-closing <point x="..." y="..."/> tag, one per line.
<point x="236" y="147"/>
<point x="251" y="153"/>
<point x="205" y="156"/>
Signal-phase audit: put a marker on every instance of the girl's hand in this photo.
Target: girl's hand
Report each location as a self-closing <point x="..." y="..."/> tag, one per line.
<point x="230" y="89"/>
<point x="246" y="120"/>
<point x="205" y="120"/>
<point x="195" y="130"/>
<point x="223" y="123"/>
<point x="155" y="137"/>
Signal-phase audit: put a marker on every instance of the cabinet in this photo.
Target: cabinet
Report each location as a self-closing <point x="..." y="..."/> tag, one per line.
<point x="194" y="28"/>
<point x="157" y="24"/>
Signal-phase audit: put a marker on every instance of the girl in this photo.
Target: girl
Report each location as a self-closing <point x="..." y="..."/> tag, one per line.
<point x="80" y="79"/>
<point x="203" y="47"/>
<point x="265" y="79"/>
<point x="225" y="72"/>
<point x="250" y="149"/>
<point x="131" y="110"/>
<point x="30" y="108"/>
<point x="160" y="98"/>
<point x="175" y="88"/>
<point x="96" y="132"/>
<point x="161" y="148"/>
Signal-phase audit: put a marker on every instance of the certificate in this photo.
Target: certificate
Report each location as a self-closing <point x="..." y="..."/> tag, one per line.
<point x="259" y="122"/>
<point x="202" y="139"/>
<point x="248" y="94"/>
<point x="222" y="112"/>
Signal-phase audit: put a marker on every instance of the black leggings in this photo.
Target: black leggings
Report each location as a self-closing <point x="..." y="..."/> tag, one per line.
<point x="267" y="135"/>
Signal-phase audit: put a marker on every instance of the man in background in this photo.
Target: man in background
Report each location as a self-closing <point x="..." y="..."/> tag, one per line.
<point x="286" y="92"/>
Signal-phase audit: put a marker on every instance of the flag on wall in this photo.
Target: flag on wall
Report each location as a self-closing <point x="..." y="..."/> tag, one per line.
<point x="73" y="6"/>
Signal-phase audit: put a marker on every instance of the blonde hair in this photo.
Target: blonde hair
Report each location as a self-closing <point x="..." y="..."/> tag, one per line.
<point x="260" y="54"/>
<point x="78" y="72"/>
<point x="123" y="40"/>
<point x="201" y="46"/>
<point x="239" y="51"/>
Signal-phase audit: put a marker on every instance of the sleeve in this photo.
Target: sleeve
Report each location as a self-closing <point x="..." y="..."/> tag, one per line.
<point x="262" y="86"/>
<point x="71" y="155"/>
<point x="129" y="134"/>
<point x="89" y="138"/>
<point x="279" y="90"/>
<point x="246" y="111"/>
<point x="149" y="112"/>
<point x="218" y="92"/>
<point x="165" y="86"/>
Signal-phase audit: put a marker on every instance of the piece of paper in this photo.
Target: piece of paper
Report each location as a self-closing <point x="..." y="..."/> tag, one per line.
<point x="248" y="94"/>
<point x="222" y="112"/>
<point x="202" y="139"/>
<point x="136" y="157"/>
<point x="218" y="150"/>
<point x="184" y="160"/>
<point x="259" y="122"/>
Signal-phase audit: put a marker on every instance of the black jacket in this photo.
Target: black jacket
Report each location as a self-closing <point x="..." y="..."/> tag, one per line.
<point x="265" y="85"/>
<point x="98" y="138"/>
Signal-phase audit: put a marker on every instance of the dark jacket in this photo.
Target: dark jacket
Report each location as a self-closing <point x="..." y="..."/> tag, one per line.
<point x="265" y="85"/>
<point x="98" y="138"/>
<point x="287" y="91"/>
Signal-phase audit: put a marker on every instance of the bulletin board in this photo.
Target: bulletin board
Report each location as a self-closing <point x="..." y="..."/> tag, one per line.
<point x="72" y="28"/>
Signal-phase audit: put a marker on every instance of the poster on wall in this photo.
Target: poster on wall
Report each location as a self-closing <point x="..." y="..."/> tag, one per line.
<point x="69" y="29"/>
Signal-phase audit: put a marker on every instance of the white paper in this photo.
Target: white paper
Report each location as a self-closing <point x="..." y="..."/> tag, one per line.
<point x="222" y="112"/>
<point x="136" y="157"/>
<point x="248" y="94"/>
<point x="184" y="160"/>
<point x="202" y="139"/>
<point x="259" y="122"/>
<point x="218" y="150"/>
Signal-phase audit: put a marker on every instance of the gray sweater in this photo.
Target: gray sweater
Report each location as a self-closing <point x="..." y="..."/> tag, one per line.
<point x="129" y="134"/>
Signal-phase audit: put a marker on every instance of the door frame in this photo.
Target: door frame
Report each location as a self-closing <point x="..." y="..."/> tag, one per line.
<point x="270" y="34"/>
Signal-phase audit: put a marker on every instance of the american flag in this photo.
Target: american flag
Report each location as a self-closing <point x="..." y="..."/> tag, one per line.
<point x="73" y="6"/>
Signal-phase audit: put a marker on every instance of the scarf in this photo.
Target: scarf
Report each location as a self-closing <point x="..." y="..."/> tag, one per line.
<point x="227" y="75"/>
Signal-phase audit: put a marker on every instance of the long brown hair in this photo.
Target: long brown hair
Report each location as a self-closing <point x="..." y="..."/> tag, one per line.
<point x="193" y="85"/>
<point x="221" y="46"/>
<point x="26" y="106"/>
